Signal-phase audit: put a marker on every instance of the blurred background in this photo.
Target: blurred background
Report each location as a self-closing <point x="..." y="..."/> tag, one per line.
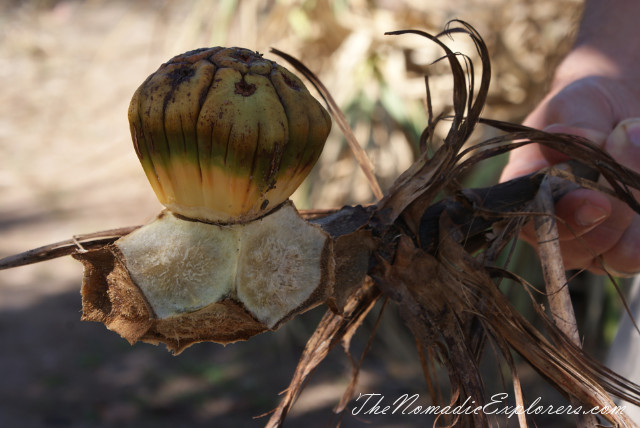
<point x="67" y="167"/>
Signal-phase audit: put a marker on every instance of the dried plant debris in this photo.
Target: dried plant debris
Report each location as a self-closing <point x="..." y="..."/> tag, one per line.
<point x="436" y="259"/>
<point x="176" y="282"/>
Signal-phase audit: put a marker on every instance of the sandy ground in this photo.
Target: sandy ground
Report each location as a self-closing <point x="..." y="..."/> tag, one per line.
<point x="67" y="71"/>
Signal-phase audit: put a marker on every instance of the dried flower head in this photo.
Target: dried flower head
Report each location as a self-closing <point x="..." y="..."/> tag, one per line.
<point x="225" y="135"/>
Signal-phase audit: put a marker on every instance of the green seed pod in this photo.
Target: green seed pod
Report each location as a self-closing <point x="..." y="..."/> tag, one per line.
<point x="224" y="135"/>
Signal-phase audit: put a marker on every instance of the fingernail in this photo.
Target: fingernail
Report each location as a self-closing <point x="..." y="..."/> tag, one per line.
<point x="589" y="214"/>
<point x="632" y="130"/>
<point x="624" y="141"/>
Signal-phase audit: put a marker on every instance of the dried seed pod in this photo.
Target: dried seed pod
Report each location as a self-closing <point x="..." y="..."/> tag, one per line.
<point x="180" y="281"/>
<point x="271" y="266"/>
<point x="225" y="135"/>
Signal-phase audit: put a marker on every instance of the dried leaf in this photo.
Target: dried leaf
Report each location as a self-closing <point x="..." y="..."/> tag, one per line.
<point x="331" y="329"/>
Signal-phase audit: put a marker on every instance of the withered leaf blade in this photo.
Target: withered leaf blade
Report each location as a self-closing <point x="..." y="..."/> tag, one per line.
<point x="330" y="331"/>
<point x="419" y="284"/>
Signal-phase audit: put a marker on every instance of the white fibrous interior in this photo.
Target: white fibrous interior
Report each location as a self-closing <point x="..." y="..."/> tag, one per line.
<point x="179" y="265"/>
<point x="280" y="264"/>
<point x="271" y="265"/>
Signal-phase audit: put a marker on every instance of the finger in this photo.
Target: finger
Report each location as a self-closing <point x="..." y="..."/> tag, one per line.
<point x="533" y="157"/>
<point x="522" y="161"/>
<point x="581" y="108"/>
<point x="624" y="258"/>
<point x="623" y="144"/>
<point x="578" y="212"/>
<point x="582" y="104"/>
<point x="581" y="211"/>
<point x="581" y="242"/>
<point x="597" y="137"/>
<point x="580" y="252"/>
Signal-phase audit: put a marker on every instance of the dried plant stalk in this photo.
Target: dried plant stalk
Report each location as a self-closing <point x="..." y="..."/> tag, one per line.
<point x="555" y="278"/>
<point x="551" y="260"/>
<point x="332" y="328"/>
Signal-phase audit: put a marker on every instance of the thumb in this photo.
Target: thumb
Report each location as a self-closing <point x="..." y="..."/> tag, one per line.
<point x="579" y="108"/>
<point x="582" y="104"/>
<point x="533" y="157"/>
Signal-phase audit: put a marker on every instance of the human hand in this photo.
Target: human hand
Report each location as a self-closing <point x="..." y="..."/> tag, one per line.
<point x="592" y="100"/>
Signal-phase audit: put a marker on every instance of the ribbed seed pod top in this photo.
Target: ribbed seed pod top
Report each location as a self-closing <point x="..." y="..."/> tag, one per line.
<point x="225" y="135"/>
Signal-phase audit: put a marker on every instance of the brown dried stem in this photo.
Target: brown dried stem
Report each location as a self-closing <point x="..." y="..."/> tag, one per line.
<point x="551" y="260"/>
<point x="555" y="278"/>
<point x="332" y="328"/>
<point x="68" y="247"/>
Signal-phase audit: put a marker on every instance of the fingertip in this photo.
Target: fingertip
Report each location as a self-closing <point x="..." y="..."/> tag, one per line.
<point x="593" y="135"/>
<point x="533" y="157"/>
<point x="624" y="143"/>
<point x="518" y="167"/>
<point x="624" y="258"/>
<point x="589" y="214"/>
<point x="583" y="209"/>
<point x="522" y="161"/>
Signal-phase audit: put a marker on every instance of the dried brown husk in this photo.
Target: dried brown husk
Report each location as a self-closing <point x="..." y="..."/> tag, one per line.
<point x="437" y="261"/>
<point x="109" y="296"/>
<point x="117" y="279"/>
